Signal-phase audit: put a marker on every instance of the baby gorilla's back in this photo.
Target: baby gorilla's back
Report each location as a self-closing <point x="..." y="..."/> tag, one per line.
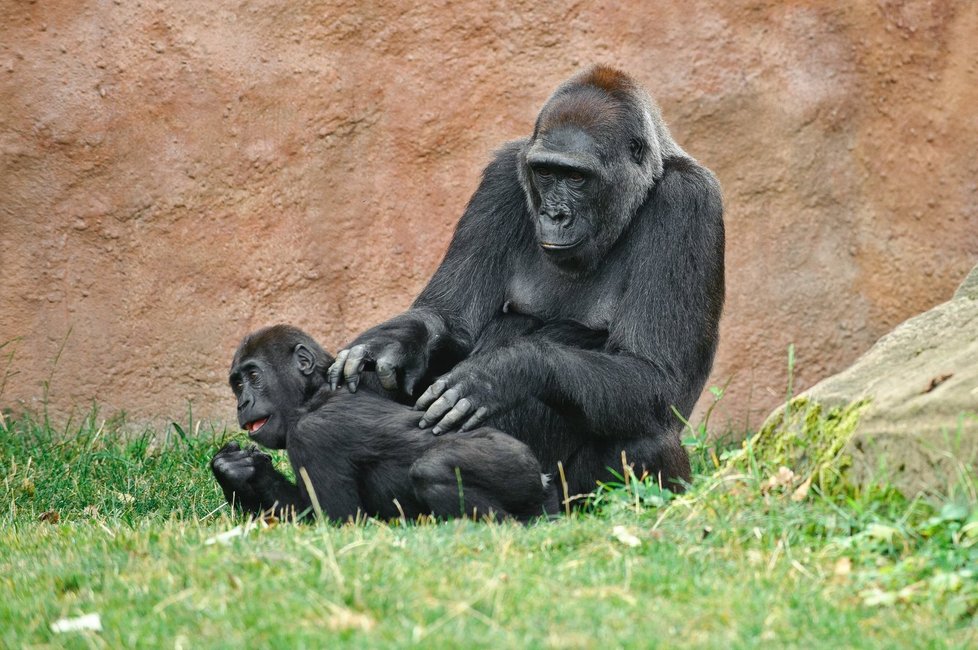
<point x="363" y="452"/>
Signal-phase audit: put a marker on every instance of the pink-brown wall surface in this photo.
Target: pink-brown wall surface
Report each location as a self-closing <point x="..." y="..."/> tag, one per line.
<point x="174" y="174"/>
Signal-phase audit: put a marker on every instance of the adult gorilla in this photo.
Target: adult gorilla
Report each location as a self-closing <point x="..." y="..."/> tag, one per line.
<point x="599" y="218"/>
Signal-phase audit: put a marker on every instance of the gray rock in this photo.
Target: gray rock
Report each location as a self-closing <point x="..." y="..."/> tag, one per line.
<point x="920" y="428"/>
<point x="968" y="288"/>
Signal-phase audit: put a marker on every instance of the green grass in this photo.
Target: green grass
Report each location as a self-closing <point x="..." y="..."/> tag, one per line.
<point x="741" y="560"/>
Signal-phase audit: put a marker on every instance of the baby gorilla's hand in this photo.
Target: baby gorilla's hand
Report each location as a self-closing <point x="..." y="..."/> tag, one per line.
<point x="237" y="470"/>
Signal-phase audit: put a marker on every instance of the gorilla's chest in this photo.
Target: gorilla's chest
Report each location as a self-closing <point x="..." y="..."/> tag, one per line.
<point x="542" y="291"/>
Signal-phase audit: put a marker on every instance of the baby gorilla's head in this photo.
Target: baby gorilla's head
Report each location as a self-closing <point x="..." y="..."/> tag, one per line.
<point x="274" y="372"/>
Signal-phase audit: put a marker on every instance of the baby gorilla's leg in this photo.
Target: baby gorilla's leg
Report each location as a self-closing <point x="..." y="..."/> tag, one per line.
<point x="479" y="474"/>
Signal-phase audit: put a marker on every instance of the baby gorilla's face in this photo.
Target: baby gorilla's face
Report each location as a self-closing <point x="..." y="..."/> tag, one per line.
<point x="269" y="391"/>
<point x="266" y="399"/>
<point x="273" y="372"/>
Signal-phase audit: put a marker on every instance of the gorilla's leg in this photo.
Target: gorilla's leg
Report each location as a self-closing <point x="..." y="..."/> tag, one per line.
<point x="479" y="474"/>
<point x="555" y="437"/>
<point x="663" y="459"/>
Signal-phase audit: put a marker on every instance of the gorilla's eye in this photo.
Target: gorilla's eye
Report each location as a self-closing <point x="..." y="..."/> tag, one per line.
<point x="254" y="376"/>
<point x="543" y="173"/>
<point x="637" y="148"/>
<point x="575" y="177"/>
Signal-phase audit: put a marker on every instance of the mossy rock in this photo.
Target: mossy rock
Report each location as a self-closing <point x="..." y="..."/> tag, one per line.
<point x="807" y="438"/>
<point x="905" y="413"/>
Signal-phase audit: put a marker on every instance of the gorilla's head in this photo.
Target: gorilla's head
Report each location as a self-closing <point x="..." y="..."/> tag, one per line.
<point x="597" y="149"/>
<point x="274" y="372"/>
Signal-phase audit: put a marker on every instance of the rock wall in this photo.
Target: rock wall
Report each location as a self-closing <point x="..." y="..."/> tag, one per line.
<point x="174" y="174"/>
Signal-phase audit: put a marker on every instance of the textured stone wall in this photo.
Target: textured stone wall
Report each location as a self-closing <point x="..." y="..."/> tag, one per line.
<point x="174" y="174"/>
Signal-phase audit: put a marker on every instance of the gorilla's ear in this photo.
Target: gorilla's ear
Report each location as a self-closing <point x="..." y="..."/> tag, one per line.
<point x="637" y="149"/>
<point x="305" y="359"/>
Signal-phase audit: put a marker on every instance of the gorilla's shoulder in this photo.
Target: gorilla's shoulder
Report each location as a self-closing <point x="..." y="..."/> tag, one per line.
<point x="510" y="150"/>
<point x="504" y="162"/>
<point x="685" y="176"/>
<point x="317" y="401"/>
<point x="500" y="195"/>
<point x="688" y="170"/>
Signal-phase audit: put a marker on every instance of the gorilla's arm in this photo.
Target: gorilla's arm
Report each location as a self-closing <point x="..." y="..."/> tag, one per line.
<point x="465" y="291"/>
<point x="661" y="342"/>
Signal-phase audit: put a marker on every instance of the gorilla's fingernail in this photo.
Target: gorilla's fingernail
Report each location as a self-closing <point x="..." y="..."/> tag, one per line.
<point x="436" y="431"/>
<point x="423" y="423"/>
<point x="352" y="387"/>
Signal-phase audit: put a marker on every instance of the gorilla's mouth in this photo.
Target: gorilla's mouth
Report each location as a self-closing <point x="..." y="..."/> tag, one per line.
<point x="253" y="427"/>
<point x="552" y="246"/>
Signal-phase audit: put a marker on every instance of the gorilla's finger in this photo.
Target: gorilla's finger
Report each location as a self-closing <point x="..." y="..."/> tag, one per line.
<point x="234" y="456"/>
<point x="233" y="466"/>
<point x="411" y="379"/>
<point x="434" y="392"/>
<point x="238" y="465"/>
<point x="477" y="419"/>
<point x="230" y="456"/>
<point x="453" y="417"/>
<point x="231" y="446"/>
<point x="387" y="374"/>
<point x="240" y="472"/>
<point x="441" y="406"/>
<point x="353" y="366"/>
<point x="335" y="372"/>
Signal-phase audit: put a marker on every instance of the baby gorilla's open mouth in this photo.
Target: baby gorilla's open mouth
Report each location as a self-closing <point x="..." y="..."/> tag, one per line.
<point x="253" y="427"/>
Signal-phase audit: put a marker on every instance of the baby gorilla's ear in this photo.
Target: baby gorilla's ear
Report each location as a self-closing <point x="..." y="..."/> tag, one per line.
<point x="305" y="359"/>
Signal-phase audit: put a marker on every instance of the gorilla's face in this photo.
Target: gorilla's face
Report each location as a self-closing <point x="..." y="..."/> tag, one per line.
<point x="268" y="394"/>
<point x="579" y="195"/>
<point x="564" y="172"/>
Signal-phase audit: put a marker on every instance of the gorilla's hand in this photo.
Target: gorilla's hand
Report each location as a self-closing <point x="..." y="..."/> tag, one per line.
<point x="462" y="399"/>
<point x="397" y="350"/>
<point x="236" y="470"/>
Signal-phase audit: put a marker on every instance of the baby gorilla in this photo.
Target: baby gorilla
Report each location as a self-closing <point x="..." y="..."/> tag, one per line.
<point x="369" y="457"/>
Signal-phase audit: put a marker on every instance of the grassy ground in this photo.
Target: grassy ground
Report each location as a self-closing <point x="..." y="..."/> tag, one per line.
<point x="133" y="529"/>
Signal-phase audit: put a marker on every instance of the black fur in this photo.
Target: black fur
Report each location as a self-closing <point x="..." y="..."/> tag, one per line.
<point x="362" y="452"/>
<point x="601" y="220"/>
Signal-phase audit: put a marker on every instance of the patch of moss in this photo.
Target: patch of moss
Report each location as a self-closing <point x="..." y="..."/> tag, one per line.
<point x="806" y="437"/>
